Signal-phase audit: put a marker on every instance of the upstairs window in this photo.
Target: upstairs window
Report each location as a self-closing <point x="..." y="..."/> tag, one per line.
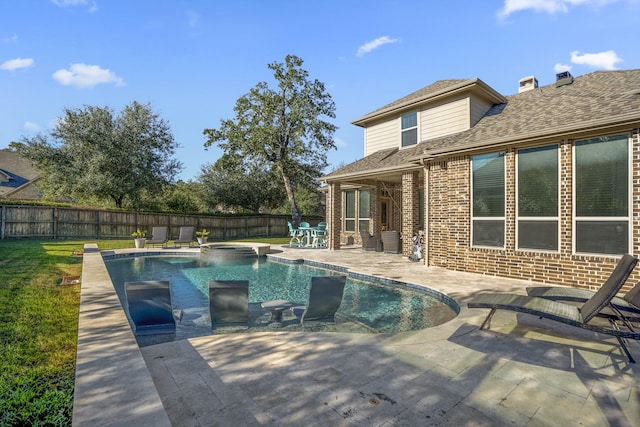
<point x="409" y="129"/>
<point x="602" y="192"/>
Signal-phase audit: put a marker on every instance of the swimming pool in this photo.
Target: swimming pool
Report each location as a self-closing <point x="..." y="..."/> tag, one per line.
<point x="367" y="306"/>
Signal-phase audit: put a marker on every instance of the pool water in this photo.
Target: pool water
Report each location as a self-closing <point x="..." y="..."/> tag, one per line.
<point x="367" y="306"/>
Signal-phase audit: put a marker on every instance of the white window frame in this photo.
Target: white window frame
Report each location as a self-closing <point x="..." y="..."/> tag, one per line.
<point x="576" y="219"/>
<point x="538" y="218"/>
<point x="355" y="206"/>
<point x="416" y="127"/>
<point x="488" y="218"/>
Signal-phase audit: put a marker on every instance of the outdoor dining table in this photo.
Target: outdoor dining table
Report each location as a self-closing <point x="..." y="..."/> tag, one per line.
<point x="307" y="233"/>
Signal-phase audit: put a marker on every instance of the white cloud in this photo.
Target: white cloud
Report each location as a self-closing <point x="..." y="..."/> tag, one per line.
<point x="31" y="127"/>
<point x="606" y="60"/>
<point x="15" y="64"/>
<point x="370" y="46"/>
<point x="67" y="3"/>
<point x="83" y="75"/>
<point x="559" y="68"/>
<point x="93" y="6"/>
<point x="12" y="39"/>
<point x="548" y="6"/>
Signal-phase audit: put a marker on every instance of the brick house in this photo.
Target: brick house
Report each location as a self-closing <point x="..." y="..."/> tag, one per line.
<point x="541" y="185"/>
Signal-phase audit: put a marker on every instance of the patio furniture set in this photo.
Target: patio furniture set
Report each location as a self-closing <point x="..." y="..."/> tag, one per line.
<point x="307" y="236"/>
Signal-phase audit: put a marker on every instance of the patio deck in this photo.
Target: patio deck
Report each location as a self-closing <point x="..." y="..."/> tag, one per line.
<point x="522" y="372"/>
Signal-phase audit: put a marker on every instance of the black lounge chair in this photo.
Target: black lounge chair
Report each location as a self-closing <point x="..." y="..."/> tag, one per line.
<point x="185" y="237"/>
<point x="158" y="237"/>
<point x="568" y="314"/>
<point x="229" y="302"/>
<point x="626" y="307"/>
<point x="325" y="297"/>
<point x="149" y="306"/>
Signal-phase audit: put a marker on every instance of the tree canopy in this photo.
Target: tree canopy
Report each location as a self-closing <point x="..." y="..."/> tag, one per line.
<point x="285" y="128"/>
<point x="232" y="183"/>
<point x="98" y="154"/>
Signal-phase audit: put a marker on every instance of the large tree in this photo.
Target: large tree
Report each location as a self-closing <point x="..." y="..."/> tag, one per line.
<point x="285" y="128"/>
<point x="96" y="153"/>
<point x="232" y="182"/>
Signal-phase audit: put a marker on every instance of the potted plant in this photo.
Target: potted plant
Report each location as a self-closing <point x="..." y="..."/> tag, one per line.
<point x="202" y="236"/>
<point x="139" y="237"/>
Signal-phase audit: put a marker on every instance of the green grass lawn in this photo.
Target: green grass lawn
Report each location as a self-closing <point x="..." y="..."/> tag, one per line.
<point x="39" y="328"/>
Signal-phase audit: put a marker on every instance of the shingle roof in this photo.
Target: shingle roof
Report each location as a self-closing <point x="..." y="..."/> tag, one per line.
<point x="18" y="169"/>
<point x="591" y="101"/>
<point x="419" y="95"/>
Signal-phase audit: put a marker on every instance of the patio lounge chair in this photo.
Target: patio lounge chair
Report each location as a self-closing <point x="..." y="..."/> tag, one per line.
<point x="149" y="307"/>
<point x="579" y="316"/>
<point x="229" y="302"/>
<point x="158" y="237"/>
<point x="627" y="307"/>
<point x="186" y="236"/>
<point x="325" y="297"/>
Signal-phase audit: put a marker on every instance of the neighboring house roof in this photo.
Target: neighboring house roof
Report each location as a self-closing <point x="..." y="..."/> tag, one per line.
<point x="15" y="172"/>
<point x="600" y="100"/>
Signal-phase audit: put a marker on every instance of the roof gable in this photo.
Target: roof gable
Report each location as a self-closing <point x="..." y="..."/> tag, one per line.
<point x="431" y="93"/>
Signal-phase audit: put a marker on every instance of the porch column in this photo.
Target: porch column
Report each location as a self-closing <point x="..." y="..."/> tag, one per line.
<point x="334" y="215"/>
<point x="410" y="209"/>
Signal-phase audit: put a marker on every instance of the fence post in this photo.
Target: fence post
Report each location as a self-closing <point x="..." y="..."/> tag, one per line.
<point x="54" y="218"/>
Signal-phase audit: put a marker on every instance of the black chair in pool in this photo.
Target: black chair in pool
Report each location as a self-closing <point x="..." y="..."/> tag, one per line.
<point x="229" y="302"/>
<point x="149" y="306"/>
<point x="325" y="297"/>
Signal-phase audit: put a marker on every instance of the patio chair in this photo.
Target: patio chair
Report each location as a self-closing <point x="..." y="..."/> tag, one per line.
<point x="186" y="236"/>
<point x="149" y="306"/>
<point x="626" y="307"/>
<point x="391" y="242"/>
<point x="229" y="302"/>
<point x="568" y="314"/>
<point x="319" y="236"/>
<point x="325" y="297"/>
<point x="369" y="242"/>
<point x="295" y="235"/>
<point x="158" y="237"/>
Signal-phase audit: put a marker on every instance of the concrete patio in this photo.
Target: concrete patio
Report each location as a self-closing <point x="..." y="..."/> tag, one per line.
<point x="522" y="372"/>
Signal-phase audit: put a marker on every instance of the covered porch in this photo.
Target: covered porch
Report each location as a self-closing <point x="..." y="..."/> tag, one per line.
<point x="378" y="204"/>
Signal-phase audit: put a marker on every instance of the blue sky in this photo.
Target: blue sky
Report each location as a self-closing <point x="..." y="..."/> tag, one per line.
<point x="192" y="59"/>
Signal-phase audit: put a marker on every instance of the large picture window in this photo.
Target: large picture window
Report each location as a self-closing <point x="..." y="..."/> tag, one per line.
<point x="601" y="202"/>
<point x="409" y="129"/>
<point x="538" y="202"/>
<point x="488" y="195"/>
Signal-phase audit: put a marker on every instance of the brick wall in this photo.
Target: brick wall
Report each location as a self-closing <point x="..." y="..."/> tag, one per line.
<point x="449" y="231"/>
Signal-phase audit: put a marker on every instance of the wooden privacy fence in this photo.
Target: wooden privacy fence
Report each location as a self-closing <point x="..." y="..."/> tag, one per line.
<point x="73" y="223"/>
